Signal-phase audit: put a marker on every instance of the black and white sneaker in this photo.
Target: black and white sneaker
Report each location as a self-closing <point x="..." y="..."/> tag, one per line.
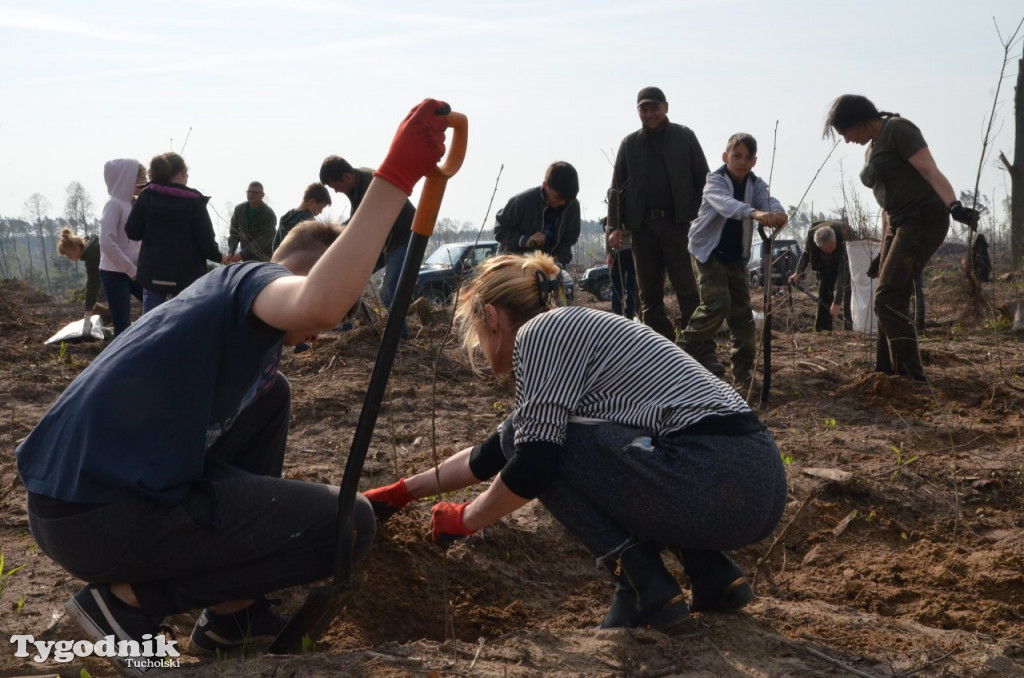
<point x="131" y="632"/>
<point x="224" y="632"/>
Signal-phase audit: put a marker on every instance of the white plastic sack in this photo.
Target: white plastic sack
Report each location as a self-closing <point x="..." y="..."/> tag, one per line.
<point x="860" y="253"/>
<point x="758" y="322"/>
<point x="72" y="332"/>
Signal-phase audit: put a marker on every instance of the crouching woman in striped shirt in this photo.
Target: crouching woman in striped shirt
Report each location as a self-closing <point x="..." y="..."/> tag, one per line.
<point x="625" y="439"/>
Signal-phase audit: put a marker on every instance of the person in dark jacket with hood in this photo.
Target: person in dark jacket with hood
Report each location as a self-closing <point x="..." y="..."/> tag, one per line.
<point x="175" y="229"/>
<point x="545" y="218"/>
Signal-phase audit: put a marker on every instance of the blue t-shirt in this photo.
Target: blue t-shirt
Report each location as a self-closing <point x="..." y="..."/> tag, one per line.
<point x="137" y="421"/>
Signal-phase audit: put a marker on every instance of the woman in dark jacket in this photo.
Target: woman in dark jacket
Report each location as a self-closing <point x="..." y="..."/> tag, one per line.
<point x="175" y="229"/>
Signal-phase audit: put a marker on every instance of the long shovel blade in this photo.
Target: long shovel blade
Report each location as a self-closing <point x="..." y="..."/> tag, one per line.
<point x="813" y="297"/>
<point x="767" y="250"/>
<point x="323" y="604"/>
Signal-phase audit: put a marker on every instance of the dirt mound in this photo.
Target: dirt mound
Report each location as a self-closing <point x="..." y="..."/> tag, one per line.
<point x="875" y="389"/>
<point x="14" y="290"/>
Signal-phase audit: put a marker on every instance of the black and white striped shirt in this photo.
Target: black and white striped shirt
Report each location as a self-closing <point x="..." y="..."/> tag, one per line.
<point x="577" y="363"/>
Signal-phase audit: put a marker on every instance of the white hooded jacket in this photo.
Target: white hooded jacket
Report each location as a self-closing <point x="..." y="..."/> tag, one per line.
<point x="719" y="205"/>
<point x="117" y="252"/>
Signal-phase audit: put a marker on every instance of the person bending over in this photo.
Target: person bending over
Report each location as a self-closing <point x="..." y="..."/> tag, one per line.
<point x="917" y="201"/>
<point x="632" y="454"/>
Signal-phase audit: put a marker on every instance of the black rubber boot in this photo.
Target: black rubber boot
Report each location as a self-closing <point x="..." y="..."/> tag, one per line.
<point x="712" y="365"/>
<point x="717" y="581"/>
<point x="646" y="594"/>
<point x="705" y="355"/>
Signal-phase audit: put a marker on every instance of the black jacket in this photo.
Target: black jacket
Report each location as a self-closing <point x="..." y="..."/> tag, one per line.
<point x="91" y="259"/>
<point x="820" y="261"/>
<point x="177" y="236"/>
<point x="523" y="216"/>
<point x="687" y="171"/>
<point x="400" y="231"/>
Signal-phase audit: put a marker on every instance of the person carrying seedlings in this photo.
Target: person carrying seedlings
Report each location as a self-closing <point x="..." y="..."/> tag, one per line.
<point x="916" y="200"/>
<point x="633" y="452"/>
<point x="85" y="249"/>
<point x="545" y="218"/>
<point x="734" y="197"/>
<point x="315" y="198"/>
<point x="825" y="252"/>
<point x="181" y="505"/>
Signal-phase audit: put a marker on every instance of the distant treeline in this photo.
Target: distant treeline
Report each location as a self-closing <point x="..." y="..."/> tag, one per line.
<point x="28" y="248"/>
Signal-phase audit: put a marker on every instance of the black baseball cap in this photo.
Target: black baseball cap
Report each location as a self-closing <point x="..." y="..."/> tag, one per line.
<point x="650" y="95"/>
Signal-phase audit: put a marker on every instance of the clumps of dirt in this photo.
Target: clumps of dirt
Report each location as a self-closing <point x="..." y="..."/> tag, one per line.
<point x="516" y="574"/>
<point x="938" y="357"/>
<point x="16" y="316"/>
<point x="993" y="399"/>
<point x="362" y="335"/>
<point x="20" y="292"/>
<point x="875" y="389"/>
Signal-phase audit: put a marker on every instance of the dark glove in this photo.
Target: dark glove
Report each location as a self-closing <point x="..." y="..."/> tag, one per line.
<point x="446" y="523"/>
<point x="389" y="499"/>
<point x="418" y="145"/>
<point x="873" y="266"/>
<point x="965" y="215"/>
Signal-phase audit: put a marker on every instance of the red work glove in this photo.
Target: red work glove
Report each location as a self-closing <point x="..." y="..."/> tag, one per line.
<point x="418" y="145"/>
<point x="446" y="523"/>
<point x="388" y="499"/>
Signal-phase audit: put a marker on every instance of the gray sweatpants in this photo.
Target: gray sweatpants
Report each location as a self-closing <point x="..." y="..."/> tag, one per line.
<point x="616" y="485"/>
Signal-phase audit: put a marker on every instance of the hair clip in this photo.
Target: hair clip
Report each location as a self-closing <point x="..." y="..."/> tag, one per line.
<point x="545" y="286"/>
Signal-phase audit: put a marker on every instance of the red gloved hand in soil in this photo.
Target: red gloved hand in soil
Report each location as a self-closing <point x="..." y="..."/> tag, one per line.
<point x="389" y="499"/>
<point x="418" y="145"/>
<point x="446" y="523"/>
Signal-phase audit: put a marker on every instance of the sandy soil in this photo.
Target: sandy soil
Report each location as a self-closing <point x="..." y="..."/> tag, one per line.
<point x="901" y="551"/>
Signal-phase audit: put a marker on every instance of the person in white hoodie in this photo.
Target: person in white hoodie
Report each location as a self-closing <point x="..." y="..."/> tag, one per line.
<point x="119" y="256"/>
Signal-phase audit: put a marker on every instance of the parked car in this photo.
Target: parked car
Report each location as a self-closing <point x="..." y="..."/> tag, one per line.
<point x="785" y="255"/>
<point x="450" y="265"/>
<point x="597" y="280"/>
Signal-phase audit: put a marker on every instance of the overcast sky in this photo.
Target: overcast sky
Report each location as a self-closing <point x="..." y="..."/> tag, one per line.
<point x="264" y="90"/>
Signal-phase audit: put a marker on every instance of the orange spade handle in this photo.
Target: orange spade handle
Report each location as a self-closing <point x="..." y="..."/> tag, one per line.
<point x="433" y="189"/>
